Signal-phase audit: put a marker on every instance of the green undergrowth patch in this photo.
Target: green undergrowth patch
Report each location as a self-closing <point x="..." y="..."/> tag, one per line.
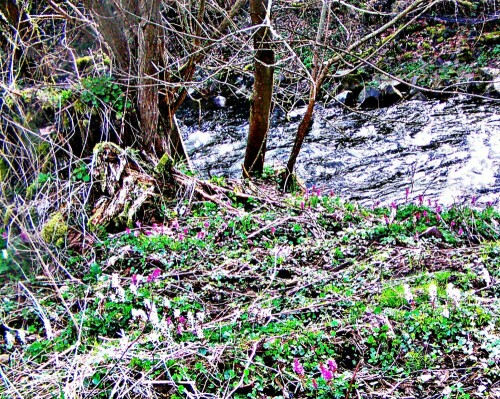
<point x="310" y="296"/>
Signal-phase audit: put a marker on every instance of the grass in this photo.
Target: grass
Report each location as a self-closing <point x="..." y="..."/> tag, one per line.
<point x="219" y="304"/>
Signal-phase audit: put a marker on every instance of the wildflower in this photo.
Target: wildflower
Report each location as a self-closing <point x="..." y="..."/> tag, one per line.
<point x="138" y="224"/>
<point x="154" y="275"/>
<point x="407" y="293"/>
<point x="460" y="231"/>
<point x="302" y="205"/>
<point x="181" y="237"/>
<point x="201" y="235"/>
<point x="417" y="215"/>
<point x="435" y="203"/>
<point x="137" y="233"/>
<point x="177" y="313"/>
<point x="4" y="235"/>
<point x="200" y="316"/>
<point x="315" y="383"/>
<point x="386" y="220"/>
<point x="182" y="320"/>
<point x="206" y="224"/>
<point x="175" y="224"/>
<point x="9" y="339"/>
<point x="298" y="368"/>
<point x="127" y="230"/>
<point x="332" y="365"/>
<point x="486" y="277"/>
<point x="445" y="312"/>
<point x="147" y="233"/>
<point x="179" y="329"/>
<point x="273" y="230"/>
<point x="453" y="293"/>
<point x="325" y="373"/>
<point x="115" y="282"/>
<point x="21" y="334"/>
<point x="407" y="193"/>
<point x="331" y="193"/>
<point x="429" y="202"/>
<point x="438" y="209"/>
<point x="185" y="231"/>
<point x="394" y="205"/>
<point x="425" y="214"/>
<point x="24" y="236"/>
<point x="452" y="224"/>
<point x="420" y="199"/>
<point x="432" y="293"/>
<point x="473" y="200"/>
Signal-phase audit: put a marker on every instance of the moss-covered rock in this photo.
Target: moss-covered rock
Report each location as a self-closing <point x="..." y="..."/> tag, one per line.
<point x="491" y="37"/>
<point x="55" y="229"/>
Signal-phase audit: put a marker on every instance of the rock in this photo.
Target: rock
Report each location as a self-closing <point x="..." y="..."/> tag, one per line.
<point x="390" y="93"/>
<point x="419" y="96"/>
<point x="219" y="101"/>
<point x="369" y="97"/>
<point x="346" y="97"/>
<point x="492" y="75"/>
<point x="491" y="38"/>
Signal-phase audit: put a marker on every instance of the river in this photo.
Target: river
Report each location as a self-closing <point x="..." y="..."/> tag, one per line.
<point x="446" y="150"/>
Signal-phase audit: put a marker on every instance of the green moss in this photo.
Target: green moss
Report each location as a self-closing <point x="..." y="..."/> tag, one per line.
<point x="84" y="62"/>
<point x="4" y="169"/>
<point x="165" y="164"/>
<point x="54" y="231"/>
<point x="491" y="38"/>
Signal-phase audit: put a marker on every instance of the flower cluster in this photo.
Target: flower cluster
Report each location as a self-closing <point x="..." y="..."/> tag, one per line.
<point x="327" y="371"/>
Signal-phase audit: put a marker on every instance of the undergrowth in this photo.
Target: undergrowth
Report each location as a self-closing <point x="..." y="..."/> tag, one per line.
<point x="268" y="297"/>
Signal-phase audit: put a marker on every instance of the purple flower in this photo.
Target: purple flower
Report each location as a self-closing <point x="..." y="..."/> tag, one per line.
<point x="332" y="365"/>
<point x="417" y="215"/>
<point x="302" y="205"/>
<point x="201" y="235"/>
<point x="185" y="231"/>
<point x="473" y="200"/>
<point x="452" y="224"/>
<point x="460" y="231"/>
<point x="386" y="220"/>
<point x="181" y="237"/>
<point x="429" y="202"/>
<point x="154" y="275"/>
<point x="297" y="368"/>
<point x="4" y="235"/>
<point x="182" y="320"/>
<point x="206" y="224"/>
<point x="425" y="214"/>
<point x="127" y="231"/>
<point x="175" y="224"/>
<point x="24" y="236"/>
<point x="407" y="193"/>
<point x="147" y="233"/>
<point x="315" y="383"/>
<point x="332" y="193"/>
<point x="438" y="209"/>
<point x="134" y="280"/>
<point x="325" y="373"/>
<point x="394" y="205"/>
<point x="138" y="224"/>
<point x="420" y="199"/>
<point x="273" y="230"/>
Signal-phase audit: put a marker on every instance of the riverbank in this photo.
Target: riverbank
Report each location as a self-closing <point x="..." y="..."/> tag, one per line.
<point x="263" y="296"/>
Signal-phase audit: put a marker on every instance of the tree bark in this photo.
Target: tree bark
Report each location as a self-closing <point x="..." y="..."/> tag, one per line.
<point x="260" y="107"/>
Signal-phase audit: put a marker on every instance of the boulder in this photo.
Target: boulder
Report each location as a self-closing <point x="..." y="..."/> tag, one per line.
<point x="390" y="94"/>
<point x="346" y="97"/>
<point x="369" y="97"/>
<point x="219" y="101"/>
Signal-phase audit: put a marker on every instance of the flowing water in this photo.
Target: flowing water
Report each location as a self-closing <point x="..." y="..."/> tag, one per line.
<point x="446" y="150"/>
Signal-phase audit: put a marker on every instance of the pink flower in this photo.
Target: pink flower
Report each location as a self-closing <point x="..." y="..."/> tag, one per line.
<point x="332" y="193"/>
<point x="386" y="220"/>
<point x="420" y="199"/>
<point x="206" y="224"/>
<point x="298" y="368"/>
<point x="394" y="205"/>
<point x="325" y="373"/>
<point x="460" y="231"/>
<point x="175" y="224"/>
<point x="138" y="224"/>
<point x="134" y="280"/>
<point x="4" y="235"/>
<point x="127" y="231"/>
<point x="273" y="230"/>
<point x="181" y="237"/>
<point x="407" y="193"/>
<point x="315" y="383"/>
<point x="332" y="365"/>
<point x="200" y="235"/>
<point x="302" y="205"/>
<point x="182" y="320"/>
<point x="452" y="224"/>
<point x="473" y="200"/>
<point x="154" y="275"/>
<point x="24" y="236"/>
<point x="185" y="231"/>
<point x="429" y="202"/>
<point x="417" y="215"/>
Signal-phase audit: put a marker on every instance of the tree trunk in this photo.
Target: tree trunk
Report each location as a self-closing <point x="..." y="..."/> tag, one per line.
<point x="260" y="108"/>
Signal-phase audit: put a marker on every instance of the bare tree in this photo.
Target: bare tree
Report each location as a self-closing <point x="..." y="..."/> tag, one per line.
<point x="261" y="101"/>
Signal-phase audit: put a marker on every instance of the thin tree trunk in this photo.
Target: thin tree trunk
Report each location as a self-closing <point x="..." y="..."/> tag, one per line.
<point x="260" y="108"/>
